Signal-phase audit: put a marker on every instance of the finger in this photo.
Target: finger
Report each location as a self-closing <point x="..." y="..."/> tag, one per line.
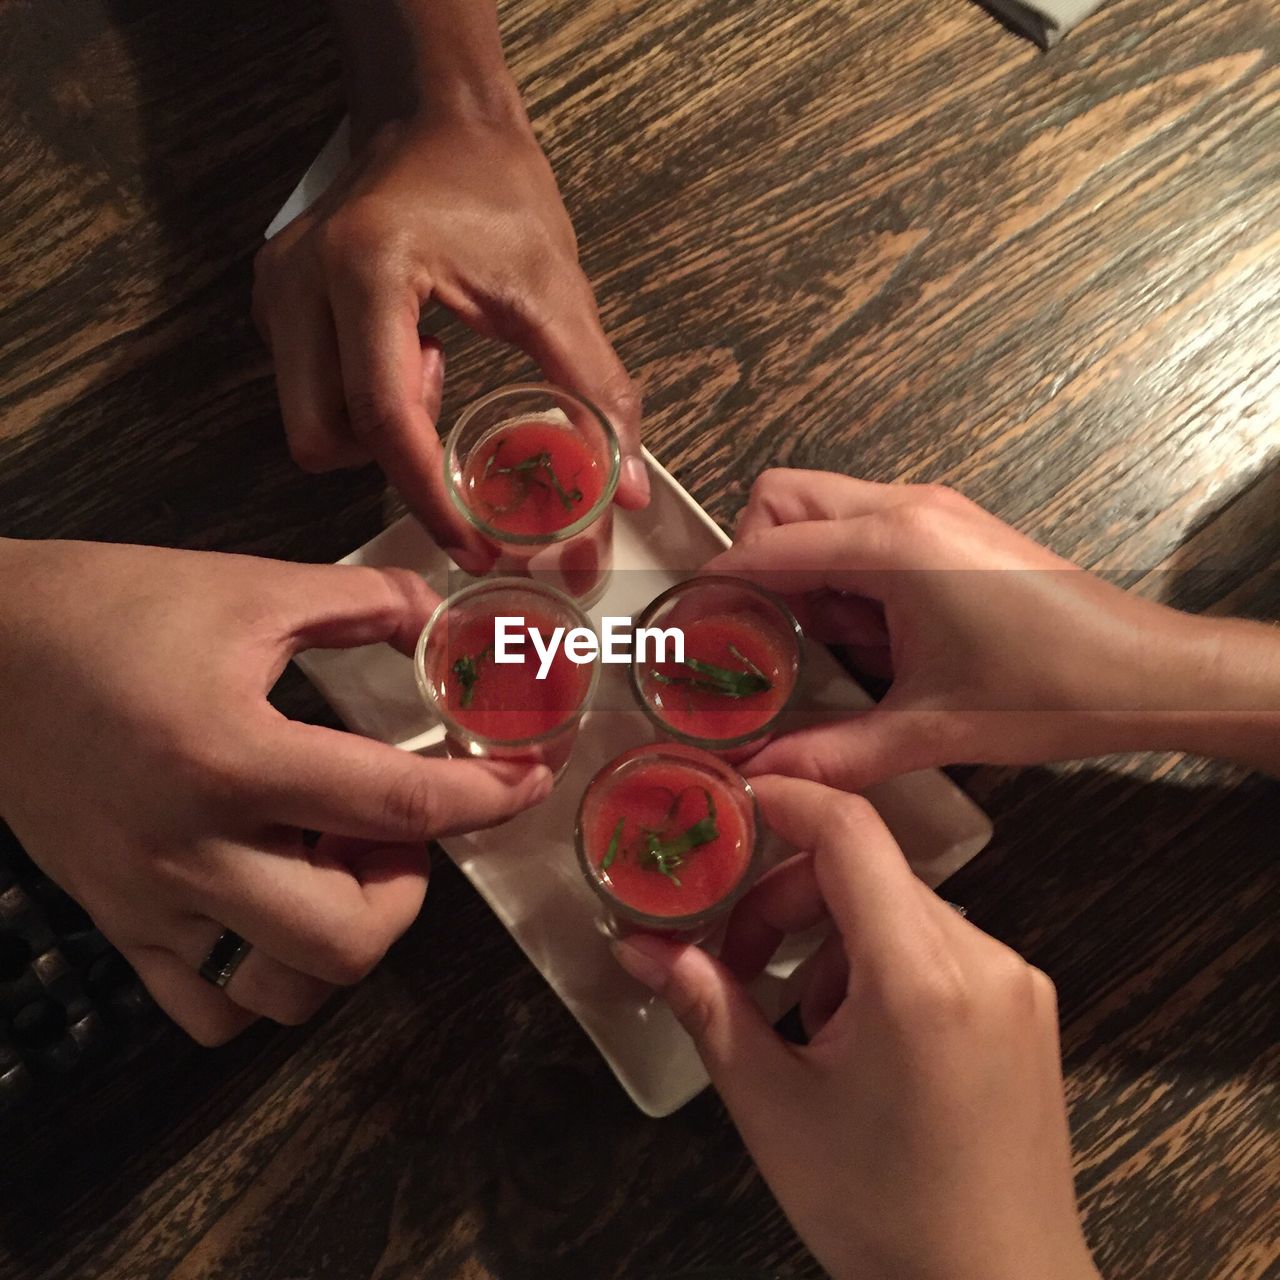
<point x="304" y="348"/>
<point x="846" y="620"/>
<point x="346" y="606"/>
<point x="260" y="984"/>
<point x="384" y="377"/>
<point x="319" y="779"/>
<point x="826" y="985"/>
<point x="330" y="912"/>
<point x="861" y="555"/>
<point x="207" y="1015"/>
<point x="329" y="780"/>
<point x="874" y="898"/>
<point x="433" y="362"/>
<point x="782" y="496"/>
<point x="751" y="1066"/>
<point x="572" y="351"/>
<point x="786" y="899"/>
<point x="856" y="753"/>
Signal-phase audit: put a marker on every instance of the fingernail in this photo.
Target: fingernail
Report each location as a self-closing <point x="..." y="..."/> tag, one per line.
<point x="636" y="475"/>
<point x="472" y="562"/>
<point x="647" y="960"/>
<point x="535" y="780"/>
<point x="540" y="783"/>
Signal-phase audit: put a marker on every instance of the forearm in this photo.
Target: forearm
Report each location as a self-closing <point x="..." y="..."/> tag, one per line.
<point x="408" y="57"/>
<point x="1232" y="693"/>
<point x="1207" y="686"/>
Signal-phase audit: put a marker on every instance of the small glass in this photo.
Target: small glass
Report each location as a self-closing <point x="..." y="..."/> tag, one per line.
<point x="502" y="711"/>
<point x="645" y="850"/>
<point x="750" y="652"/>
<point x="533" y="468"/>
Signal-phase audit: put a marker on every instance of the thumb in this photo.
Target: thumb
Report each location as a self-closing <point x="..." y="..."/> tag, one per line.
<point x="748" y="1062"/>
<point x="432" y="377"/>
<point x="851" y="754"/>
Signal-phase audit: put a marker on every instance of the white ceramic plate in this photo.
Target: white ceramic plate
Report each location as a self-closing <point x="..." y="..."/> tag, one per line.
<point x="527" y="870"/>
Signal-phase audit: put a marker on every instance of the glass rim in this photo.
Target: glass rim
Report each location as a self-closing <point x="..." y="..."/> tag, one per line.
<point x="585" y="520"/>
<point x="709" y="764"/>
<point x="527" y="585"/>
<point x="771" y="598"/>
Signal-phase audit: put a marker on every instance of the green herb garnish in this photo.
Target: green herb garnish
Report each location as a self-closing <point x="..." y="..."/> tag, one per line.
<point x="535" y="469"/>
<point x="467" y="671"/>
<point x="666" y="855"/>
<point x="612" y="852"/>
<point x="723" y="681"/>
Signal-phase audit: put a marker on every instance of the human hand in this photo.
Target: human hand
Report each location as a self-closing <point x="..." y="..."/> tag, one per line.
<point x="448" y="206"/>
<point x="144" y="770"/>
<point x="1000" y="651"/>
<point x="922" y="1132"/>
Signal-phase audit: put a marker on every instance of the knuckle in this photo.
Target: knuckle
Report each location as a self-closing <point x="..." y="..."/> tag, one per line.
<point x="911" y="522"/>
<point x="524" y="301"/>
<point x="695" y="1008"/>
<point x="214" y="770"/>
<point x="351" y="238"/>
<point x="211" y="1031"/>
<point x="849" y="817"/>
<point x="934" y="998"/>
<point x="1044" y="992"/>
<point x="349" y="957"/>
<point x="767" y="487"/>
<point x="625" y="398"/>
<point x="313" y="454"/>
<point x="411" y="804"/>
<point x="375" y="417"/>
<point x="297" y="1004"/>
<point x="942" y="497"/>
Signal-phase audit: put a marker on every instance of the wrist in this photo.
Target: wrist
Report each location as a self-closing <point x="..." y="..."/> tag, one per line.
<point x="437" y="60"/>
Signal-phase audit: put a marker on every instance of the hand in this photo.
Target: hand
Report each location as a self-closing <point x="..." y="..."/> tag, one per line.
<point x="462" y="210"/>
<point x="1000" y="652"/>
<point x="922" y="1133"/>
<point x="144" y="770"/>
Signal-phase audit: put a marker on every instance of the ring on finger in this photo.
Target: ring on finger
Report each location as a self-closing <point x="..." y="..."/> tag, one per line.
<point x="225" y="956"/>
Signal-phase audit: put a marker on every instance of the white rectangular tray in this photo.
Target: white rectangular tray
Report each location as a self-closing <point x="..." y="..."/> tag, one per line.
<point x="527" y="870"/>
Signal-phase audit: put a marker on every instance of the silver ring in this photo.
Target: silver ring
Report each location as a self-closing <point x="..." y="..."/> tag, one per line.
<point x="224" y="958"/>
<point x="955" y="906"/>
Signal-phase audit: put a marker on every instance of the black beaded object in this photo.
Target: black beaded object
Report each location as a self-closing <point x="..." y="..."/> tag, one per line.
<point x="68" y="999"/>
<point x="224" y="958"/>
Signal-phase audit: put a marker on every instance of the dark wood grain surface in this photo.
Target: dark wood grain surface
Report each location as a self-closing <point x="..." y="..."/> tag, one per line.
<point x="890" y="239"/>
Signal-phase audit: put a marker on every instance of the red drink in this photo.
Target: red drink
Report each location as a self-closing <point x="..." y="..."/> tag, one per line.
<point x="666" y="836"/>
<point x="506" y="702"/>
<point x="741" y="663"/>
<point x="532" y="478"/>
<point x="502" y="710"/>
<point x="708" y="709"/>
<point x="533" y="469"/>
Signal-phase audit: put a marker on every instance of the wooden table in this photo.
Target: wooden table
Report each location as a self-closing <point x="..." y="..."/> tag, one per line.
<point x="890" y="239"/>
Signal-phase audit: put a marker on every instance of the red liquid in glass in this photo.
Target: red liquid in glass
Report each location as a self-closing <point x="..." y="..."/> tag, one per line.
<point x="508" y="702"/>
<point x="717" y="716"/>
<point x="668" y="798"/>
<point x="527" y="501"/>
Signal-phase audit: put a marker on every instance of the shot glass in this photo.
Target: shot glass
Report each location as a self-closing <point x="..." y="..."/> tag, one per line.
<point x="666" y="838"/>
<point x="533" y="468"/>
<point x="743" y="654"/>
<point x="503" y="710"/>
